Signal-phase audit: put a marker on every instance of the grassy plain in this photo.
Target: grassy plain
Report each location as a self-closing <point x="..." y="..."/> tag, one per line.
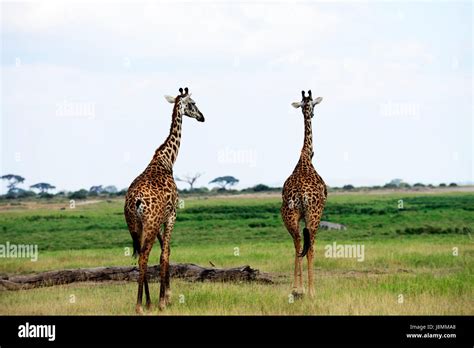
<point x="417" y="260"/>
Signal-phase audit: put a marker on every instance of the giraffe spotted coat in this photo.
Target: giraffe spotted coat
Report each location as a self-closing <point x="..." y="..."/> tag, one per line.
<point x="151" y="201"/>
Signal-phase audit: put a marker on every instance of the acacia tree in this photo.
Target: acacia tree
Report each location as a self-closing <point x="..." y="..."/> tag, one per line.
<point x="13" y="180"/>
<point x="189" y="179"/>
<point x="223" y="181"/>
<point x="96" y="190"/>
<point x="43" y="187"/>
<point x="110" y="189"/>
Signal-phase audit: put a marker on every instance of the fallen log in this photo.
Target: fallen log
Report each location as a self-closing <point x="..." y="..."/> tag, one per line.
<point x="186" y="271"/>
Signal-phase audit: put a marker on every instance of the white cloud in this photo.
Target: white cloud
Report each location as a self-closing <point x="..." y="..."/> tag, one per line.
<point x="405" y="54"/>
<point x="33" y="16"/>
<point x="245" y="64"/>
<point x="173" y="28"/>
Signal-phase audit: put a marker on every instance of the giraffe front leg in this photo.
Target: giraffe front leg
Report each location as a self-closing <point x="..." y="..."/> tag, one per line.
<point x="164" y="264"/>
<point x="310" y="257"/>
<point x="165" y="293"/>
<point x="300" y="276"/>
<point x="167" y="281"/>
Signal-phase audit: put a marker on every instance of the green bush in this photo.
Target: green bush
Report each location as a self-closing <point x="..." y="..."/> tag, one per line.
<point x="261" y="188"/>
<point x="390" y="185"/>
<point x="19" y="193"/>
<point x="122" y="192"/>
<point x="81" y="194"/>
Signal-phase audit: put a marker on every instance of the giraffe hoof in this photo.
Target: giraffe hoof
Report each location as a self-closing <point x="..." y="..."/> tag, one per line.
<point x="149" y="306"/>
<point x="168" y="298"/>
<point x="139" y="309"/>
<point x="162" y="304"/>
<point x="297" y="294"/>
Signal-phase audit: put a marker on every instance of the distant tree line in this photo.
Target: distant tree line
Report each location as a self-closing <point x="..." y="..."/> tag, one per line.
<point x="393" y="184"/>
<point x="223" y="184"/>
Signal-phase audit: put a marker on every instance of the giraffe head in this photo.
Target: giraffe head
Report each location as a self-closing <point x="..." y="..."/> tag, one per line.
<point x="307" y="104"/>
<point x="186" y="105"/>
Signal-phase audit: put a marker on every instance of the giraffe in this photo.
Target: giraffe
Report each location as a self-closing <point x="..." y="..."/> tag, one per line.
<point x="304" y="195"/>
<point x="152" y="199"/>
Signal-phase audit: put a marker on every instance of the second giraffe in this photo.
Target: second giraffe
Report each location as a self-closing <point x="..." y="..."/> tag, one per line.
<point x="304" y="196"/>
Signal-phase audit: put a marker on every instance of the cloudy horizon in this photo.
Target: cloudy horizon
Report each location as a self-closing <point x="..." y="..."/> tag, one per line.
<point x="83" y="85"/>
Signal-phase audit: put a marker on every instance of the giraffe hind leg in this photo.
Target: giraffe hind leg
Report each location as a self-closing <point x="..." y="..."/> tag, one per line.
<point x="143" y="267"/>
<point x="147" y="294"/>
<point x="298" y="289"/>
<point x="312" y="218"/>
<point x="310" y="256"/>
<point x="291" y="219"/>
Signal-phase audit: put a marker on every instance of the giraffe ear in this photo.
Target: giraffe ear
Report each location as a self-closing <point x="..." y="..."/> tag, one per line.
<point x="296" y="105"/>
<point x="317" y="100"/>
<point x="170" y="99"/>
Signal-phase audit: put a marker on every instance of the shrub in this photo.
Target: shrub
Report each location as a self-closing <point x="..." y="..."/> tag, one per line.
<point x="81" y="194"/>
<point x="19" y="193"/>
<point x="261" y="188"/>
<point x="200" y="190"/>
<point x="390" y="185"/>
<point x="122" y="192"/>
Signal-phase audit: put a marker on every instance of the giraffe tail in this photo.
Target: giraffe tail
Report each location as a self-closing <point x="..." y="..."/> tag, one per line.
<point x="137" y="234"/>
<point x="306" y="242"/>
<point x="136" y="244"/>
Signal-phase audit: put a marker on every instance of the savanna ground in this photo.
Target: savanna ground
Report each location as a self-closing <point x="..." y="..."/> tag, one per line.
<point x="418" y="260"/>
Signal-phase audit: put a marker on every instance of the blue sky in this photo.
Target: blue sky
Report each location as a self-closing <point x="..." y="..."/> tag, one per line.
<point x="83" y="84"/>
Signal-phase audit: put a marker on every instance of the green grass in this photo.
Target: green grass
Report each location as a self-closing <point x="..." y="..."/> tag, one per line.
<point x="238" y="220"/>
<point x="408" y="252"/>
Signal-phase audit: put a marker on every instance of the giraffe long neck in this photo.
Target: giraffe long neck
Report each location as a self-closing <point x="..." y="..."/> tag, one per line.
<point x="307" y="149"/>
<point x="167" y="153"/>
